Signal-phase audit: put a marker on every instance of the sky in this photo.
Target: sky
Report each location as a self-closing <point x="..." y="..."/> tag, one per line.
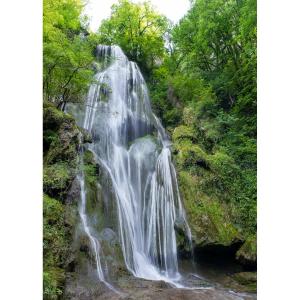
<point x="98" y="10"/>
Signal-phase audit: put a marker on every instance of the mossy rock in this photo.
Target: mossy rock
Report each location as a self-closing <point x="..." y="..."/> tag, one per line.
<point x="53" y="283"/>
<point x="209" y="219"/>
<point x="56" y="234"/>
<point x="60" y="136"/>
<point x="53" y="117"/>
<point x="56" y="246"/>
<point x="247" y="279"/>
<point x="65" y="146"/>
<point x="247" y="254"/>
<point x="57" y="179"/>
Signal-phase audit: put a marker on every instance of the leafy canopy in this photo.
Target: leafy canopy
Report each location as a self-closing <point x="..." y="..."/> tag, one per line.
<point x="138" y="29"/>
<point x="67" y="52"/>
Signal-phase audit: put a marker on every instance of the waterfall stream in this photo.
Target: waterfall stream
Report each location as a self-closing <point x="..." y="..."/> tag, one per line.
<point x="130" y="143"/>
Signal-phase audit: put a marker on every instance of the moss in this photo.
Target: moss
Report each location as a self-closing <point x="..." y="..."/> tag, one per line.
<point x="209" y="219"/>
<point x="189" y="154"/>
<point x="65" y="146"/>
<point x="53" y="283"/>
<point x="61" y="136"/>
<point x="89" y="168"/>
<point x="247" y="279"/>
<point x="49" y="137"/>
<point x="247" y="253"/>
<point x="53" y="117"/>
<point x="57" y="179"/>
<point x="56" y="240"/>
<point x="61" y="143"/>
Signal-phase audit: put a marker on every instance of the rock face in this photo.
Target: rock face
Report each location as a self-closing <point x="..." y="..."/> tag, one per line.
<point x="212" y="218"/>
<point x="60" y="142"/>
<point x="60" y="155"/>
<point x="247" y="253"/>
<point x="69" y="263"/>
<point x="138" y="289"/>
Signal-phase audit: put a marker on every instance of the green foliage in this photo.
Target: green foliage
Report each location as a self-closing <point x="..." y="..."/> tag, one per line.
<point x="67" y="52"/>
<point x="51" y="291"/>
<point x="209" y="219"/>
<point x="60" y="141"/>
<point x="209" y="81"/>
<point x="55" y="247"/>
<point x="89" y="167"/>
<point x="57" y="179"/>
<point x="183" y="132"/>
<point x="138" y="29"/>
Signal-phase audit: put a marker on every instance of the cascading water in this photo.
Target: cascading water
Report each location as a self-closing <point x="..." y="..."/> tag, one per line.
<point x="129" y="142"/>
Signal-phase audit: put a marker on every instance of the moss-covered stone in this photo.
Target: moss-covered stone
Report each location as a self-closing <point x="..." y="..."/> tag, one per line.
<point x="53" y="117"/>
<point x="209" y="219"/>
<point x="56" y="246"/>
<point x="57" y="179"/>
<point x="247" y="253"/>
<point x="61" y="138"/>
<point x="247" y="279"/>
<point x="61" y="144"/>
<point x="53" y="281"/>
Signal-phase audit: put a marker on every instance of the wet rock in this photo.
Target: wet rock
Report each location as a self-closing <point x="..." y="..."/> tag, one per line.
<point x="245" y="277"/>
<point x="86" y="136"/>
<point x="84" y="244"/>
<point x="180" y="226"/>
<point x="109" y="235"/>
<point x="74" y="192"/>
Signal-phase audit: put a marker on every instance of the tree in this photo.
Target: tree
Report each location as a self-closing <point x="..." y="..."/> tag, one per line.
<point x="208" y="85"/>
<point x="139" y="30"/>
<point x="67" y="53"/>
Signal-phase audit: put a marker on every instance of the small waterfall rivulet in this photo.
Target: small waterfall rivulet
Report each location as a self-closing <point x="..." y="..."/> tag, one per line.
<point x="129" y="142"/>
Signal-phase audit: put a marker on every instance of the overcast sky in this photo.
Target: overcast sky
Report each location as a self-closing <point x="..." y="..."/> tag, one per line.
<point x="98" y="10"/>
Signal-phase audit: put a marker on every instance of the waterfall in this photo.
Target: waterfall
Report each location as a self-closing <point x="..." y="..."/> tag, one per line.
<point x="130" y="143"/>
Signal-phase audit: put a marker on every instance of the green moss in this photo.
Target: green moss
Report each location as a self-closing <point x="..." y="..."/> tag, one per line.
<point x="90" y="168"/>
<point x="189" y="154"/>
<point x="60" y="136"/>
<point x="61" y="140"/>
<point x="56" y="241"/>
<point x="57" y="179"/>
<point x="49" y="137"/>
<point x="53" y="284"/>
<point x="65" y="146"/>
<point x="247" y="279"/>
<point x="53" y="117"/>
<point x="209" y="219"/>
<point x="247" y="253"/>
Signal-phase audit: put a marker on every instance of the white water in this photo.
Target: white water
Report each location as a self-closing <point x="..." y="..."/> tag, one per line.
<point x="94" y="242"/>
<point x="131" y="144"/>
